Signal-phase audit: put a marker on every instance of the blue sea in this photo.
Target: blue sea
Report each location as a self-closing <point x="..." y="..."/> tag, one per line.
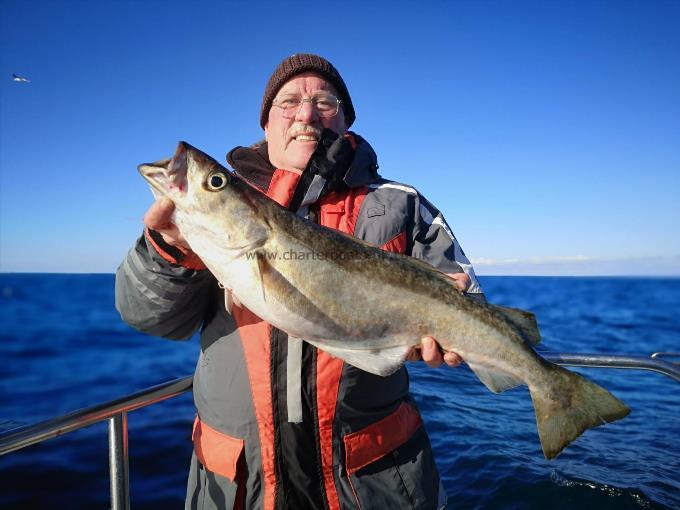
<point x="64" y="347"/>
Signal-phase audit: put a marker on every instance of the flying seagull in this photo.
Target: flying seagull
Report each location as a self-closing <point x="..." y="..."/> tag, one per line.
<point x="16" y="77"/>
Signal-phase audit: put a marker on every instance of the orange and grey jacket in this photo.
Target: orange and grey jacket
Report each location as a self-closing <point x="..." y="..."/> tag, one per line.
<point x="279" y="423"/>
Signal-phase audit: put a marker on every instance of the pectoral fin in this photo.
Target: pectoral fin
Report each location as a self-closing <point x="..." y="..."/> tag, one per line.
<point x="495" y="380"/>
<point x="381" y="362"/>
<point x="239" y="251"/>
<point x="260" y="273"/>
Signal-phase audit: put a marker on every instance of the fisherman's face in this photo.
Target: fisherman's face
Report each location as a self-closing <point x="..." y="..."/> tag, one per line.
<point x="291" y="142"/>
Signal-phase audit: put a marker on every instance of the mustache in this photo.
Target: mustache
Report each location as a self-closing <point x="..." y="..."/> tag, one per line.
<point x="302" y="128"/>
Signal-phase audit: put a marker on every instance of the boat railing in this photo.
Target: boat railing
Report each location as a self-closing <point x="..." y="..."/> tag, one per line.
<point x="657" y="362"/>
<point x="115" y="411"/>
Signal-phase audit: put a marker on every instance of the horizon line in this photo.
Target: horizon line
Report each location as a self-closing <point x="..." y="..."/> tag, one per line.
<point x="514" y="275"/>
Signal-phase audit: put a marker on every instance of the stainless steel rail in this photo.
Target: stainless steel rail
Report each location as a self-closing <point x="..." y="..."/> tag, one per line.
<point x="25" y="436"/>
<point x="116" y="412"/>
<point x="653" y="363"/>
<point x="118" y="462"/>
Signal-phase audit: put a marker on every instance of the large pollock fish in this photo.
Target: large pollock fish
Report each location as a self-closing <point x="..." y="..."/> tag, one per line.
<point x="359" y="303"/>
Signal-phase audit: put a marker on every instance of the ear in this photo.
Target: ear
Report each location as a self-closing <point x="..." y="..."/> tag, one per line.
<point x="266" y="131"/>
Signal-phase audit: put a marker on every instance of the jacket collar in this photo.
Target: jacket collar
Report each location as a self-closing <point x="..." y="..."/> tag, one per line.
<point x="252" y="164"/>
<point x="364" y="167"/>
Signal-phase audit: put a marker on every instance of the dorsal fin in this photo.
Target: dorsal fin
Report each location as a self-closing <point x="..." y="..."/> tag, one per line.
<point x="524" y="321"/>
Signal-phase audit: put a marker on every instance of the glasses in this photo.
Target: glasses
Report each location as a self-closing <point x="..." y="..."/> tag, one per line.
<point x="326" y="105"/>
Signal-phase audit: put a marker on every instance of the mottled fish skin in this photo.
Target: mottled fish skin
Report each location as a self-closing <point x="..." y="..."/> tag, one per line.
<point x="362" y="304"/>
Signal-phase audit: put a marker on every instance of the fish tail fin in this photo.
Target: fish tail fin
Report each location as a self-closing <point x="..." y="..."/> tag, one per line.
<point x="571" y="406"/>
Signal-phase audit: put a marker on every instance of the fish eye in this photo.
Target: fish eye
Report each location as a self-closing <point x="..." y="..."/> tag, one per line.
<point x="217" y="181"/>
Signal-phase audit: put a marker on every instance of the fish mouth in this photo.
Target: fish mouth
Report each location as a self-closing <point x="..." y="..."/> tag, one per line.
<point x="168" y="177"/>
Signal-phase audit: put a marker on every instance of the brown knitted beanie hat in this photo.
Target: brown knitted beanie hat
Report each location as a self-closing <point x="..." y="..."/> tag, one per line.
<point x="303" y="63"/>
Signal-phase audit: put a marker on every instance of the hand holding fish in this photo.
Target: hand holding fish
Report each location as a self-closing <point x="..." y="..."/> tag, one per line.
<point x="159" y="218"/>
<point x="429" y="350"/>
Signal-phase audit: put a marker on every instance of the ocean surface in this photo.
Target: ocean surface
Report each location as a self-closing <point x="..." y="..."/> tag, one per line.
<point x="64" y="347"/>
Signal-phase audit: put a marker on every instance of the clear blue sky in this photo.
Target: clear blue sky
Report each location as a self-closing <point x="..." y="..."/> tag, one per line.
<point x="547" y="132"/>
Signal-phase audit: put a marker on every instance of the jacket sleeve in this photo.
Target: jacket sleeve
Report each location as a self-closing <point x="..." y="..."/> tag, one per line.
<point x="434" y="242"/>
<point x="158" y="297"/>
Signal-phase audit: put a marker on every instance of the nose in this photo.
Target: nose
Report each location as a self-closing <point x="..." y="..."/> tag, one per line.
<point x="307" y="112"/>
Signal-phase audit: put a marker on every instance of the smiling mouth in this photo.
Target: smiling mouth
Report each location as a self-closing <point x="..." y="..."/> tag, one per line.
<point x="302" y="132"/>
<point x="306" y="137"/>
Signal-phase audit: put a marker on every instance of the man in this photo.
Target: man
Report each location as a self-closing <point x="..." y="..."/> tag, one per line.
<point x="279" y="423"/>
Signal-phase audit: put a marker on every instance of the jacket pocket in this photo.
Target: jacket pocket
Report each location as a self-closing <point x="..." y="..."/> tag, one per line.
<point x="376" y="210"/>
<point x="331" y="215"/>
<point x="216" y="451"/>
<point x="390" y="464"/>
